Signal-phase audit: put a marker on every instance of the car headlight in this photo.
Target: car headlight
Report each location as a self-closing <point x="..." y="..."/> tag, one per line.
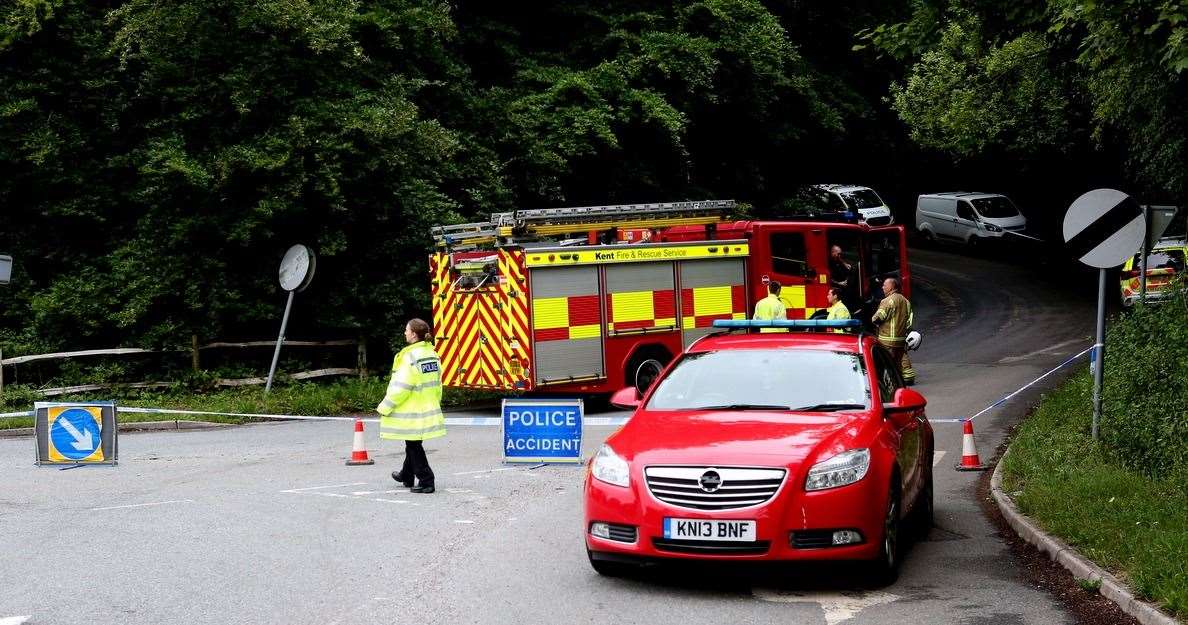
<point x="610" y="468"/>
<point x="844" y="468"/>
<point x="992" y="228"/>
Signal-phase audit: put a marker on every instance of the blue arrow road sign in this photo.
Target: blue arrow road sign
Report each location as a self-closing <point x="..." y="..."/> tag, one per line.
<point x="75" y="434"/>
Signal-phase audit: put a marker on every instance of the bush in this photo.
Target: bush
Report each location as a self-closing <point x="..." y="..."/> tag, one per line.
<point x="1145" y="395"/>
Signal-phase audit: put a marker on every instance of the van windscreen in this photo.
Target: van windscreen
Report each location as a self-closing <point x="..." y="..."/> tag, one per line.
<point x="995" y="207"/>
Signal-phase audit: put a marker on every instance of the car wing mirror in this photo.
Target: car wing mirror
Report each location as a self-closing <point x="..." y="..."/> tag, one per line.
<point x="627" y="398"/>
<point x="906" y="400"/>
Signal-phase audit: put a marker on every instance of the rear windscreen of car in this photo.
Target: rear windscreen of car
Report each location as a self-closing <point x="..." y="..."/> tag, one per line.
<point x="995" y="207"/>
<point x="1163" y="259"/>
<point x="862" y="199"/>
<point x="783" y="378"/>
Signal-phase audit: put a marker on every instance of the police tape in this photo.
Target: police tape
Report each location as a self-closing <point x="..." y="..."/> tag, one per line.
<point x="455" y="421"/>
<point x="1020" y="389"/>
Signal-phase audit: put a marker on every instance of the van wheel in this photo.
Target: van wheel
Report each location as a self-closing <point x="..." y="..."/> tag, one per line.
<point x="929" y="237"/>
<point x="645" y="367"/>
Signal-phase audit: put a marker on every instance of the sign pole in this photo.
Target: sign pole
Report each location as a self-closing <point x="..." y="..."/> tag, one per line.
<point x="1143" y="258"/>
<point x="1099" y="350"/>
<point x="279" y="340"/>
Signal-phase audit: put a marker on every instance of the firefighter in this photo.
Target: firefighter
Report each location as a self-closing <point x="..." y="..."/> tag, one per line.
<point x="411" y="409"/>
<point x="771" y="307"/>
<point x="837" y="308"/>
<point x="894" y="319"/>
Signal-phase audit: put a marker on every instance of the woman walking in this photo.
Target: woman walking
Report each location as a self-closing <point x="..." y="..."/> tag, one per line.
<point x="411" y="410"/>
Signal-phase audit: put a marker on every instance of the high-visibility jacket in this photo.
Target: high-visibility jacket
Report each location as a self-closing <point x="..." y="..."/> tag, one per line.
<point x="770" y="308"/>
<point x="893" y="317"/>
<point x="838" y="311"/>
<point x="411" y="409"/>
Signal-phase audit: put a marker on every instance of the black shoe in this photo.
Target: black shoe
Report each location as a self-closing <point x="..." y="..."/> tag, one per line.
<point x="422" y="489"/>
<point x="400" y="478"/>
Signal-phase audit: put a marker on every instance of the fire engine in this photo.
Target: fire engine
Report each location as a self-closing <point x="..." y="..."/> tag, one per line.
<point x="588" y="300"/>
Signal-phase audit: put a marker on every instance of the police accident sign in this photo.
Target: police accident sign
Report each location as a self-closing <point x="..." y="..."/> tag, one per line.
<point x="542" y="430"/>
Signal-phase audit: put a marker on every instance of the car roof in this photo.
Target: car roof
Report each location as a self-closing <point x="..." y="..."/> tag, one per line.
<point x="1164" y="244"/>
<point x="831" y="341"/>
<point x="842" y="187"/>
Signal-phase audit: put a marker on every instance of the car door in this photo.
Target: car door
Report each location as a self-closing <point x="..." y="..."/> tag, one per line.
<point x="911" y="438"/>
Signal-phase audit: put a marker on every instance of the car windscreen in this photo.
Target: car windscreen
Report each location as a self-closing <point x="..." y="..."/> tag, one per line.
<point x="1164" y="259"/>
<point x="995" y="207"/>
<point x="775" y="379"/>
<point x="864" y="198"/>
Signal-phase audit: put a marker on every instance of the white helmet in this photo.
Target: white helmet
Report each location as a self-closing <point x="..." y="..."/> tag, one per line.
<point x="913" y="340"/>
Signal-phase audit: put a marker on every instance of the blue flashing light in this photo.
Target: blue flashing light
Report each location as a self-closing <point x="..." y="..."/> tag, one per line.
<point x="787" y="323"/>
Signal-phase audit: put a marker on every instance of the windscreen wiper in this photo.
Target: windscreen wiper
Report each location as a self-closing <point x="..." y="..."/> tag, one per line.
<point x="742" y="407"/>
<point x="828" y="407"/>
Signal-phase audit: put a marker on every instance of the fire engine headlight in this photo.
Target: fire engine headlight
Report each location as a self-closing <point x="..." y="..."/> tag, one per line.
<point x="610" y="468"/>
<point x="844" y="468"/>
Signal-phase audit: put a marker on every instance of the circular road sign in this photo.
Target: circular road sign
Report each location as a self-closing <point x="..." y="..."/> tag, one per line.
<point x="297" y="268"/>
<point x="1104" y="227"/>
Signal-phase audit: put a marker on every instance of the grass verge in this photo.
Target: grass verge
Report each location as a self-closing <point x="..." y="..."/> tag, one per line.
<point x="1133" y="525"/>
<point x="337" y="398"/>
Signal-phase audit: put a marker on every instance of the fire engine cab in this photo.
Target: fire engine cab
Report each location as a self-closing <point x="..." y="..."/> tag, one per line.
<point x="592" y="299"/>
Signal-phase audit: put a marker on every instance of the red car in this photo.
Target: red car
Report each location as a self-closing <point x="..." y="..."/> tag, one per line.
<point x="777" y="446"/>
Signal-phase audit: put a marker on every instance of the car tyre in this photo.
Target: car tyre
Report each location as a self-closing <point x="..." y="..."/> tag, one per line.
<point x="607" y="568"/>
<point x="885" y="567"/>
<point x="924" y="511"/>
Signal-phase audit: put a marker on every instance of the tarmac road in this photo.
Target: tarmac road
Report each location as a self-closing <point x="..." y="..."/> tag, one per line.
<point x="263" y="524"/>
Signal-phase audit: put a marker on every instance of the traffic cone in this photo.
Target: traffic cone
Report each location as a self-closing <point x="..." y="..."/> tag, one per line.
<point x="969" y="453"/>
<point x="359" y="453"/>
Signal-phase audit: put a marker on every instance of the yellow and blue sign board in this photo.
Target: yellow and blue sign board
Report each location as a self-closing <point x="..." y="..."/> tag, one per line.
<point x="542" y="430"/>
<point x="76" y="433"/>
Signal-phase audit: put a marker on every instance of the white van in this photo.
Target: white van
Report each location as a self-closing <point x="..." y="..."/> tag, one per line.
<point x="849" y="198"/>
<point x="967" y="217"/>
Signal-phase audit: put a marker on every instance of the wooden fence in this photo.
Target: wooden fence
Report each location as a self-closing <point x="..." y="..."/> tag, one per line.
<point x="360" y="368"/>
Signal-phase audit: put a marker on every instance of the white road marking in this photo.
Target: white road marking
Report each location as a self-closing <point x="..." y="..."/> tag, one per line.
<point x="388" y="500"/>
<point x="466" y="521"/>
<point x="300" y="490"/>
<point x="14" y="620"/>
<point x="364" y="493"/>
<point x="487" y="471"/>
<point x="837" y="606"/>
<point x="456" y="491"/>
<point x="936" y="457"/>
<point x="1037" y="352"/>
<point x="340" y="495"/>
<point x="137" y="505"/>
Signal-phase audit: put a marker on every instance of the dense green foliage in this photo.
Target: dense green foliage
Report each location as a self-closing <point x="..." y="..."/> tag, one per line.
<point x="1093" y="496"/>
<point x="159" y="157"/>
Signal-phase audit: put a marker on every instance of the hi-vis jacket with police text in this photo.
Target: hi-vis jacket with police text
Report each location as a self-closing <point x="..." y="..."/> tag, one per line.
<point x="768" y="308"/>
<point x="411" y="409"/>
<point x="894" y="317"/>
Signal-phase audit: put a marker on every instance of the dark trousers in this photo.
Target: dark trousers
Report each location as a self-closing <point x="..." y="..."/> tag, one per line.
<point x="416" y="463"/>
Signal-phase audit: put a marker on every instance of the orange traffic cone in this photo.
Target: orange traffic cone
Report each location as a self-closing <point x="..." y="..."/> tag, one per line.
<point x="969" y="453"/>
<point x="359" y="453"/>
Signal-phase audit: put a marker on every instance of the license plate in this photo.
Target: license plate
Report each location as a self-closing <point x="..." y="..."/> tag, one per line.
<point x="708" y="529"/>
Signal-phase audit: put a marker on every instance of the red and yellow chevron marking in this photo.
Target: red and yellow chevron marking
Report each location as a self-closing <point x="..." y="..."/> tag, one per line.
<point x="701" y="306"/>
<point x="483" y="335"/>
<point x="632" y="310"/>
<point x="565" y="318"/>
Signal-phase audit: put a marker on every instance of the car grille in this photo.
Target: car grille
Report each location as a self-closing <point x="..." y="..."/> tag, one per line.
<point x="878" y="221"/>
<point x="758" y="547"/>
<point x="738" y="488"/>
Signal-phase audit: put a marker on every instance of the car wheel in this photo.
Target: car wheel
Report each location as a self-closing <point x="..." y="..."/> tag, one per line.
<point x="607" y="568"/>
<point x="885" y="568"/>
<point x="924" y="510"/>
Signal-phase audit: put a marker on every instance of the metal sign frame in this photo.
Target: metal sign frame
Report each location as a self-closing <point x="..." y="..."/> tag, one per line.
<point x="109" y="440"/>
<point x="538" y="403"/>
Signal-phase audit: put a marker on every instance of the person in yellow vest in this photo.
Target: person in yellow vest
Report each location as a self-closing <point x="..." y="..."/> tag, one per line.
<point x="837" y="308"/>
<point x="771" y="307"/>
<point x="411" y="409"/>
<point x="894" y="318"/>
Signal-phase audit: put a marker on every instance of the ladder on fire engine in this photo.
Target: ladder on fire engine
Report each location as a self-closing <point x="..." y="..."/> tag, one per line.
<point x="535" y="224"/>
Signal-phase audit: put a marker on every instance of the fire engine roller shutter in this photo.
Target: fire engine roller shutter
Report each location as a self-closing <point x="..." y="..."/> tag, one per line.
<point x="710" y="289"/>
<point x="640" y="296"/>
<point x="566" y="323"/>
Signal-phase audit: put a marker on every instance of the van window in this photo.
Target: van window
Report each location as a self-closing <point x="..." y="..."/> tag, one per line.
<point x="995" y="207"/>
<point x="965" y="211"/>
<point x="884" y="253"/>
<point x="862" y="198"/>
<point x="1163" y="259"/>
<point x="788" y="255"/>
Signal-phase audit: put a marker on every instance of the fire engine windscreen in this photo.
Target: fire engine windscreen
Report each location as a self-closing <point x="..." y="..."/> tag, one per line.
<point x="764" y="379"/>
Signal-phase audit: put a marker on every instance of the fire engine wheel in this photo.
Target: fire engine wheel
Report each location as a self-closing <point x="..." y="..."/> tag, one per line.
<point x="644" y="373"/>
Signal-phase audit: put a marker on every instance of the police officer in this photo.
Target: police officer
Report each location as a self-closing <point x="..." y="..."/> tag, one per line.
<point x="837" y="308"/>
<point x="771" y="307"/>
<point x="894" y="319"/>
<point x="411" y="409"/>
